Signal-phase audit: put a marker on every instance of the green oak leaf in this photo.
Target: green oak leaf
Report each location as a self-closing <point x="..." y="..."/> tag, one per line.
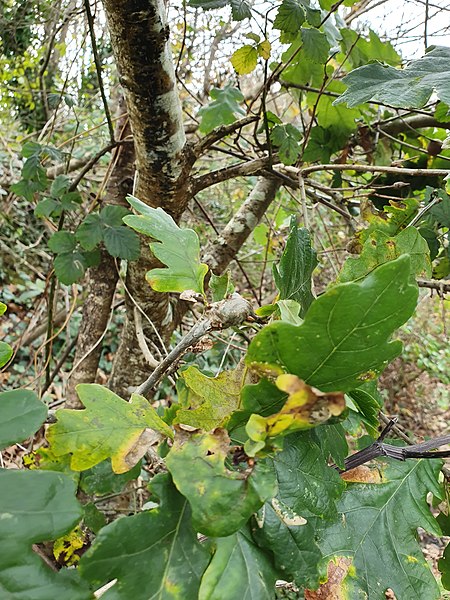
<point x="245" y="59"/>
<point x="223" y="110"/>
<point x="109" y="427"/>
<point x="377" y="533"/>
<point x="367" y="402"/>
<point x="211" y="400"/>
<point x="177" y="248"/>
<point x="154" y="554"/>
<point x="238" y="569"/>
<point x="222" y="500"/>
<point x="380" y="248"/>
<point x="21" y="415"/>
<point x="403" y="88"/>
<point x="293" y="273"/>
<point x="349" y="328"/>
<point x="306" y="484"/>
<point x="36" y="506"/>
<point x="220" y="286"/>
<point x="291" y="539"/>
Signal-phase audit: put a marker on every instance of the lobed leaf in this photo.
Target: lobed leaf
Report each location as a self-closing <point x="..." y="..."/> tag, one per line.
<point x="109" y="427"/>
<point x="177" y="248"/>
<point x="348" y="327"/>
<point x="376" y="532"/>
<point x="223" y="110"/>
<point x="409" y="87"/>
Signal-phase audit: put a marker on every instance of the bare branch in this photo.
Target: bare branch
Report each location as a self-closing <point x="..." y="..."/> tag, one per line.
<point x="435" y="284"/>
<point x="366" y="169"/>
<point x="220" y="132"/>
<point x="252" y="167"/>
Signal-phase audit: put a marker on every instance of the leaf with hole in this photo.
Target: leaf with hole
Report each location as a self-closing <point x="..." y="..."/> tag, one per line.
<point x="377" y="533"/>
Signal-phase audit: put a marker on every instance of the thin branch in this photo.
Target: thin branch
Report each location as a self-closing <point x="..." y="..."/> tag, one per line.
<point x="93" y="161"/>
<point x="220" y="132"/>
<point x="98" y="68"/>
<point x="367" y="169"/>
<point x="252" y="167"/>
<point x="219" y="315"/>
<point x="435" y="284"/>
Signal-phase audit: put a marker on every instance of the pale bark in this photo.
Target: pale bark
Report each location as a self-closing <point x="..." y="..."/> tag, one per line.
<point x="225" y="248"/>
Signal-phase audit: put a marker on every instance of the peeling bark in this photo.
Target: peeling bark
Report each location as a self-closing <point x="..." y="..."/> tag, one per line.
<point x="102" y="280"/>
<point x="225" y="248"/>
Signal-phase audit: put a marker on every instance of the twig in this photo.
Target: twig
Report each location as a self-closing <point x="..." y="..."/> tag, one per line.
<point x="220" y="132"/>
<point x="434" y="284"/>
<point x="252" y="167"/>
<point x="98" y="68"/>
<point x="367" y="169"/>
<point x="219" y="315"/>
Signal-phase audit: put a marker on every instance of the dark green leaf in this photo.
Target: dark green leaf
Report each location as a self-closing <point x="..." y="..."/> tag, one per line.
<point x="238" y="569"/>
<point x="409" y="87"/>
<point x="331" y="439"/>
<point x="122" y="242"/>
<point x="377" y="532"/>
<point x="113" y="215"/>
<point x="31" y="167"/>
<point x="26" y="188"/>
<point x="21" y="415"/>
<point x="69" y="267"/>
<point x="442" y="112"/>
<point x="290" y="16"/>
<point x="47" y="207"/>
<point x="291" y="539"/>
<point x="368" y="406"/>
<point x="293" y="274"/>
<point x="221" y="500"/>
<point x="287" y="139"/>
<point x="101" y="479"/>
<point x="90" y="232"/>
<point x="62" y="241"/>
<point x="59" y="186"/>
<point x="220" y="286"/>
<point x="154" y="554"/>
<point x="93" y="518"/>
<point x="223" y="110"/>
<point x="315" y="44"/>
<point x="320" y="145"/>
<point x="349" y="327"/>
<point x="240" y="10"/>
<point x="441" y="211"/>
<point x="31" y="149"/>
<point x="36" y="506"/>
<point x="306" y="484"/>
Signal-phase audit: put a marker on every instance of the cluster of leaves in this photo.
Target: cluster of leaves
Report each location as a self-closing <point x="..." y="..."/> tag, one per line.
<point x="77" y="250"/>
<point x="247" y="463"/>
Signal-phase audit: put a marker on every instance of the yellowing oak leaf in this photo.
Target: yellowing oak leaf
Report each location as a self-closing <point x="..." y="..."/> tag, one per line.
<point x="305" y="408"/>
<point x="244" y="59"/>
<point x="211" y="400"/>
<point x="109" y="427"/>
